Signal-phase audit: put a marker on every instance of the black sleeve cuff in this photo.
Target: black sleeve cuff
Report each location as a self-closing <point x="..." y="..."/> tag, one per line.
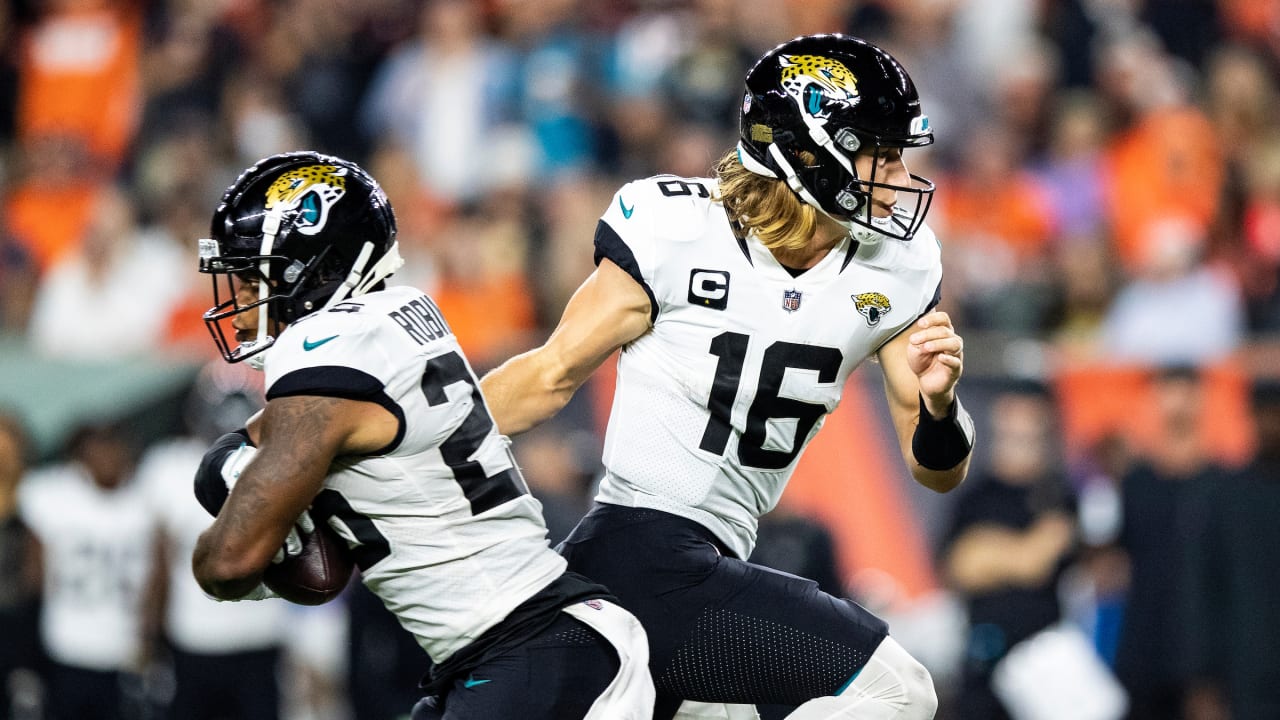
<point x="941" y="444"/>
<point x="343" y="382"/>
<point x="210" y="488"/>
<point x="937" y="298"/>
<point x="611" y="245"/>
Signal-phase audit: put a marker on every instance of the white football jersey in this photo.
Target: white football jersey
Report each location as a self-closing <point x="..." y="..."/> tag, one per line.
<point x="715" y="404"/>
<point x="98" y="549"/>
<point x="440" y="521"/>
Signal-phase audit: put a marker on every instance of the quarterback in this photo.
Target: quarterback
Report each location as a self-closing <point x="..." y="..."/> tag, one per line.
<point x="741" y="303"/>
<point x="374" y="424"/>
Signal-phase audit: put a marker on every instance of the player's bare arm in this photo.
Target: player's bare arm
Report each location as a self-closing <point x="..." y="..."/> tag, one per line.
<point x="609" y="310"/>
<point x="924" y="362"/>
<point x="298" y="438"/>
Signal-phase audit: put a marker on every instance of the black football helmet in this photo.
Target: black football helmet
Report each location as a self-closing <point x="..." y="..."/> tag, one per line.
<point x="312" y="230"/>
<point x="833" y="96"/>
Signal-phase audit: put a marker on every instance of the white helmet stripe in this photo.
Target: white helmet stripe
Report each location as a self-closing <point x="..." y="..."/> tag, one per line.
<point x="750" y="163"/>
<point x="270" y="227"/>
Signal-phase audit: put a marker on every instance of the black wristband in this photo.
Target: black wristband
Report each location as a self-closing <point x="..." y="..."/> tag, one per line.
<point x="941" y="444"/>
<point x="211" y="489"/>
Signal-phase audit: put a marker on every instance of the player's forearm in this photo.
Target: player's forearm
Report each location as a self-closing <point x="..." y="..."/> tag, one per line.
<point x="223" y="574"/>
<point x="525" y="391"/>
<point x="940" y="481"/>
<point x="251" y="527"/>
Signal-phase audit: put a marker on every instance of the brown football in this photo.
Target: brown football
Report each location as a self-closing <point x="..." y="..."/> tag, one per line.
<point x="316" y="575"/>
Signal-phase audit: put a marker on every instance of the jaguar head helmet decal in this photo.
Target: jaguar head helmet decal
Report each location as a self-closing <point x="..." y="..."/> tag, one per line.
<point x="817" y="83"/>
<point x="311" y="191"/>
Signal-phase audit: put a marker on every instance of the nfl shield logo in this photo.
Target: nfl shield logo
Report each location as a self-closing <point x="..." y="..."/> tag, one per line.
<point x="791" y="300"/>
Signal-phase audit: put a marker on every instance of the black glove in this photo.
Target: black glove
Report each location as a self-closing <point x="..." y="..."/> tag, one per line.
<point x="220" y="468"/>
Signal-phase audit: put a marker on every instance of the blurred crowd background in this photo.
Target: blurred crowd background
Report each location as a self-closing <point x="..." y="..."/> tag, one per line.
<point x="1109" y="209"/>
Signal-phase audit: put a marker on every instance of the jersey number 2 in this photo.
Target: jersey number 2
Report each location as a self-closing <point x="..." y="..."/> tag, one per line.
<point x="731" y="349"/>
<point x="484" y="491"/>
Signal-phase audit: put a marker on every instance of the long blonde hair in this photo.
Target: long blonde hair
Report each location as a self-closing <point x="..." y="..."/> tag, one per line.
<point x="764" y="205"/>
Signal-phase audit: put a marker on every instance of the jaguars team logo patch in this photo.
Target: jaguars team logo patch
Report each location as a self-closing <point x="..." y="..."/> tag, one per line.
<point x="312" y="191"/>
<point x="872" y="305"/>
<point x="791" y="300"/>
<point x="818" y="84"/>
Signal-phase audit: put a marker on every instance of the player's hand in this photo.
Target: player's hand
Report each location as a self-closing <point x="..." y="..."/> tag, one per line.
<point x="297" y="537"/>
<point x="935" y="353"/>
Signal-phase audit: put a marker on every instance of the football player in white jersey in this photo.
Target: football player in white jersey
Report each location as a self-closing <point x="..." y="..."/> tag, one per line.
<point x="97" y="538"/>
<point x="224" y="656"/>
<point x="741" y="303"/>
<point x="374" y="424"/>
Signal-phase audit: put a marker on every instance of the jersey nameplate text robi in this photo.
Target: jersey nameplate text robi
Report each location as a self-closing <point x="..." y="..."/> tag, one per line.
<point x="447" y="487"/>
<point x="422" y="320"/>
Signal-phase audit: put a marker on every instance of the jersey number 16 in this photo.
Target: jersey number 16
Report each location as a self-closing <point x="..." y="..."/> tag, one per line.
<point x="731" y="349"/>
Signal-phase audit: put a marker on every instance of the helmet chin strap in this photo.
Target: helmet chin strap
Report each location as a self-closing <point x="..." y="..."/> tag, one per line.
<point x="793" y="181"/>
<point x="824" y="141"/>
<point x="359" y="282"/>
<point x="870" y="236"/>
<point x="353" y="277"/>
<point x="858" y="231"/>
<point x="386" y="266"/>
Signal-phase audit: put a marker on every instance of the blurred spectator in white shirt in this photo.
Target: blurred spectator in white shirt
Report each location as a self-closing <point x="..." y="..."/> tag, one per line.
<point x="109" y="299"/>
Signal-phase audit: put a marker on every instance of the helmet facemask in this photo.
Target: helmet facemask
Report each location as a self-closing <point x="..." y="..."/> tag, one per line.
<point x="230" y="274"/>
<point x="274" y="308"/>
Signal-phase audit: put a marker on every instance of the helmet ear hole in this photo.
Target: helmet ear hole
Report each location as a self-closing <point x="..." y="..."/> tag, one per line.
<point x="852" y="202"/>
<point x="848" y="140"/>
<point x="292" y="272"/>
